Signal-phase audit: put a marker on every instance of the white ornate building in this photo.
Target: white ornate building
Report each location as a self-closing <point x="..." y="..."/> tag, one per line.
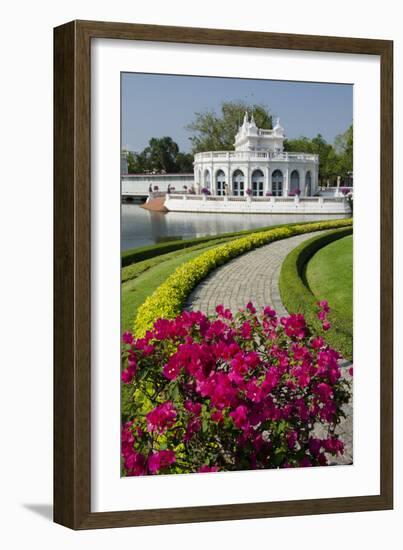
<point x="258" y="166"/>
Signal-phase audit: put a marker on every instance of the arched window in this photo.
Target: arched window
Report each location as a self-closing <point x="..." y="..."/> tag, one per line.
<point x="257" y="183"/>
<point x="207" y="181"/>
<point x="277" y="183"/>
<point x="220" y="183"/>
<point x="294" y="181"/>
<point x="238" y="183"/>
<point x="308" y="184"/>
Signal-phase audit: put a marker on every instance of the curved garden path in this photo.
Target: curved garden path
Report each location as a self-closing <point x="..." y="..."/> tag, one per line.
<point x="254" y="277"/>
<point x="250" y="277"/>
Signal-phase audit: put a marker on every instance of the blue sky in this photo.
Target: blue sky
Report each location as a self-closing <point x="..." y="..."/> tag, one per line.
<point x="162" y="105"/>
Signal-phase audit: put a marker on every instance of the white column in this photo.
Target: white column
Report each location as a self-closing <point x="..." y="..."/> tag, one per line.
<point x="302" y="181"/>
<point x="247" y="182"/>
<point x="315" y="178"/>
<point x="212" y="180"/>
<point x="286" y="175"/>
<point x="267" y="186"/>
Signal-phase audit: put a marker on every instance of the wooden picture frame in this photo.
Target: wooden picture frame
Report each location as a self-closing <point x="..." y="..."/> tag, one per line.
<point x="72" y="271"/>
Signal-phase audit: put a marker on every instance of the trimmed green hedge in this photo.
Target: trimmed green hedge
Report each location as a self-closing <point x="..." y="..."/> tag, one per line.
<point x="146" y="252"/>
<point x="134" y="269"/>
<point x="167" y="300"/>
<point x="297" y="297"/>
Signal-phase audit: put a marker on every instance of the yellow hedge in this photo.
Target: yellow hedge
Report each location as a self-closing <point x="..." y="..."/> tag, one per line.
<point x="167" y="300"/>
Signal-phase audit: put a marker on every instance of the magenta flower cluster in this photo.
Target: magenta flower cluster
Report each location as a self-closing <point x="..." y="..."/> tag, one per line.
<point x="323" y="311"/>
<point x="233" y="391"/>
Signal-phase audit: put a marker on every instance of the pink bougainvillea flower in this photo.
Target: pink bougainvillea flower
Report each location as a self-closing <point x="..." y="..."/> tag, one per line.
<point x="333" y="445"/>
<point x="194" y="425"/>
<point x="217" y="416"/>
<point x="252" y="359"/>
<point x="317" y="342"/>
<point x="216" y="388"/>
<point x="172" y="369"/>
<point x="246" y="330"/>
<point x="206" y="468"/>
<point x="324" y="305"/>
<point x="315" y="445"/>
<point x="160" y="459"/>
<point x="292" y="438"/>
<point x="130" y="372"/>
<point x="239" y="416"/>
<point x="127" y="438"/>
<point x="326" y="325"/>
<point x="128" y="338"/>
<point x="135" y="464"/>
<point x="192" y="407"/>
<point x="127" y="376"/>
<point x="226" y="313"/>
<point x="321" y="315"/>
<point x="253" y="391"/>
<point x="251" y="307"/>
<point x="161" y="418"/>
<point x="269" y="312"/>
<point x="294" y="325"/>
<point x="271" y="379"/>
<point x="222" y="392"/>
<point x="324" y="391"/>
<point x="143" y="345"/>
<point x="305" y="462"/>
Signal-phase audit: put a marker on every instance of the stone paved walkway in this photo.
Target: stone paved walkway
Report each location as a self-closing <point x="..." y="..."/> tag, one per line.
<point x="250" y="277"/>
<point x="254" y="277"/>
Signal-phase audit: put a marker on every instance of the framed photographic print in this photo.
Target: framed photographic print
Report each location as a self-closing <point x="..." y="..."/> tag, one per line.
<point x="223" y="275"/>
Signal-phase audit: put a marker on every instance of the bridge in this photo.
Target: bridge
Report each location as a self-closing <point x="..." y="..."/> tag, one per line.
<point x="137" y="186"/>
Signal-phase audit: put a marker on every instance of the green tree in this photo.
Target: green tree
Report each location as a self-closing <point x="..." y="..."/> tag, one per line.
<point x="334" y="160"/>
<point x="343" y="145"/>
<point x="184" y="162"/>
<point x="301" y="145"/>
<point x="161" y="154"/>
<point x="216" y="132"/>
<point x="328" y="160"/>
<point x="136" y="163"/>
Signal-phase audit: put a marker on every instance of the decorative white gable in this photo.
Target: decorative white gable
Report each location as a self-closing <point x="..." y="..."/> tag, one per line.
<point x="251" y="138"/>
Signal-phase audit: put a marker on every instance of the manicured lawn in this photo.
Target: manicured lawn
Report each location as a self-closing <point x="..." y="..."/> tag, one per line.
<point x="329" y="275"/>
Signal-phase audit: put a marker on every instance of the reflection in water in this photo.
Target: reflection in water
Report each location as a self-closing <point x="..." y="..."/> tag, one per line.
<point x="141" y="227"/>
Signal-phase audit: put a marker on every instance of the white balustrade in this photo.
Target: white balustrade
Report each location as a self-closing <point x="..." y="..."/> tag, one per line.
<point x="255" y="155"/>
<point x="246" y="204"/>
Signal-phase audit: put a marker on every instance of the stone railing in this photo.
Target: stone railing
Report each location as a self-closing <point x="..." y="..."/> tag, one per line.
<point x="212" y="156"/>
<point x="247" y="204"/>
<point x="245" y="198"/>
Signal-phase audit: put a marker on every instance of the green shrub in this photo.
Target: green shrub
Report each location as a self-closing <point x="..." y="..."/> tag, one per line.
<point x="297" y="297"/>
<point x="167" y="300"/>
<point x="135" y="269"/>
